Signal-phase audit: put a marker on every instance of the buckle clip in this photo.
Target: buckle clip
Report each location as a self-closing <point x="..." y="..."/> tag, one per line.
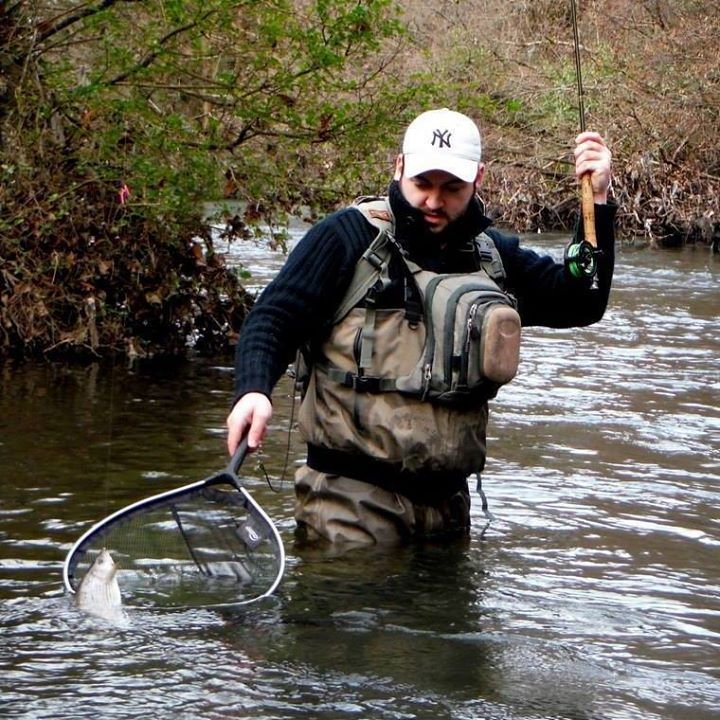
<point x="365" y="383"/>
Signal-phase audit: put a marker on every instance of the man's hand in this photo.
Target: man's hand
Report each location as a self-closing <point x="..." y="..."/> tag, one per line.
<point x="251" y="415"/>
<point x="593" y="156"/>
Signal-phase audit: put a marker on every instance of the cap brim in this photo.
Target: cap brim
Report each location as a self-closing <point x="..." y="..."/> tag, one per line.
<point x="418" y="163"/>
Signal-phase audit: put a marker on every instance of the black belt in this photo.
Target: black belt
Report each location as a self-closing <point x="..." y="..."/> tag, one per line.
<point x="428" y="487"/>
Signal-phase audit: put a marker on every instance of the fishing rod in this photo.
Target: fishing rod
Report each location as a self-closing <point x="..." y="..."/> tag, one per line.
<point x="581" y="257"/>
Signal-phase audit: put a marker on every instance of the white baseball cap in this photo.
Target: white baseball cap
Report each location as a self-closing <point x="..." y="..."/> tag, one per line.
<point x="442" y="140"/>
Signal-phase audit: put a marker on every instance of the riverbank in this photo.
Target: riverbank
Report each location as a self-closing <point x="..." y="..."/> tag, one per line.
<point x="106" y="158"/>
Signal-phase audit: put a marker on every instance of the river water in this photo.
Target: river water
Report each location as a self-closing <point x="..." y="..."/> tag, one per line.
<point x="594" y="594"/>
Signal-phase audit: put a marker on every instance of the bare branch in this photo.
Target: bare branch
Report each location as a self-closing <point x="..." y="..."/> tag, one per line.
<point x="153" y="55"/>
<point x="49" y="28"/>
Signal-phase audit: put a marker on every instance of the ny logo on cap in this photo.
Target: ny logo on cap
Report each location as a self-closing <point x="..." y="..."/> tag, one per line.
<point x="442" y="137"/>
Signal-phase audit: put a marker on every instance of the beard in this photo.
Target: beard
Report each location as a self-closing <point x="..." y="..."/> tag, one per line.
<point x="413" y="229"/>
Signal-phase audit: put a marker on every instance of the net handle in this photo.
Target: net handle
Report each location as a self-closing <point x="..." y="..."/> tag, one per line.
<point x="236" y="461"/>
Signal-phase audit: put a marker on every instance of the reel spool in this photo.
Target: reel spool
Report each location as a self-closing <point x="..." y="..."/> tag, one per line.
<point x="581" y="259"/>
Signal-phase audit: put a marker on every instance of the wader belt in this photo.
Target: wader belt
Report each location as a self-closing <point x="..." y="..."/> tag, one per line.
<point x="421" y="488"/>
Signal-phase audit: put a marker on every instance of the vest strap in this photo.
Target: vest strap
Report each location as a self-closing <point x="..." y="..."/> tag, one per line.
<point x="361" y="383"/>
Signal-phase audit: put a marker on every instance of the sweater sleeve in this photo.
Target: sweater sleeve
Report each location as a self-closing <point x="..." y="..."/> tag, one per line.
<point x="547" y="294"/>
<point x="298" y="303"/>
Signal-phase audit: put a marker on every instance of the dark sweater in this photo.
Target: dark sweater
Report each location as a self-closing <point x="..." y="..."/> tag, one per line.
<point x="296" y="307"/>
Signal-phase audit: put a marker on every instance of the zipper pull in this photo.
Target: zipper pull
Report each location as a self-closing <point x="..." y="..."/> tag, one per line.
<point x="469" y="324"/>
<point x="427" y="377"/>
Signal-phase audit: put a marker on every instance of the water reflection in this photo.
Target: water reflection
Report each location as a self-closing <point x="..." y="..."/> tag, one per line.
<point x="594" y="594"/>
<point x="420" y="620"/>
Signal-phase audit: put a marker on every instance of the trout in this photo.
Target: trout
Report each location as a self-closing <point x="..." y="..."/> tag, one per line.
<point x="99" y="592"/>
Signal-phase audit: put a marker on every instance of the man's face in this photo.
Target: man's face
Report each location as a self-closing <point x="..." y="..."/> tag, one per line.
<point x="440" y="196"/>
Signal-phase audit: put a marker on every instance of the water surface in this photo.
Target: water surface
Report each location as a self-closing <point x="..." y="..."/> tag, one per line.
<point x="595" y="593"/>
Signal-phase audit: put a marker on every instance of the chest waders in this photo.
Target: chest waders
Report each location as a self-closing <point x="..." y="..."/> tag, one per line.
<point x="408" y="387"/>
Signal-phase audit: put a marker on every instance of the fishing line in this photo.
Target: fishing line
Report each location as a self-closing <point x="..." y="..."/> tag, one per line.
<point x="288" y="445"/>
<point x="191" y="550"/>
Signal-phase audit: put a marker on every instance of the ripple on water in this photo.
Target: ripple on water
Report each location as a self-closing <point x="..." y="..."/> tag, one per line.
<point x="594" y="593"/>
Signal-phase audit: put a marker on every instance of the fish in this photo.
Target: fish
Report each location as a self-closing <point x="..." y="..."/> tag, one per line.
<point x="99" y="592"/>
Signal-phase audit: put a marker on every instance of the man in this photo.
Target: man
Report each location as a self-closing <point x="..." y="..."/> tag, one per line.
<point x="387" y="466"/>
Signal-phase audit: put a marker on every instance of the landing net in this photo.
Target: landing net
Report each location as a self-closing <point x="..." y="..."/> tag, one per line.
<point x="206" y="544"/>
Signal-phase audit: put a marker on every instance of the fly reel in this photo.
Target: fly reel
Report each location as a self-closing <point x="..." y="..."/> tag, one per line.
<point x="581" y="259"/>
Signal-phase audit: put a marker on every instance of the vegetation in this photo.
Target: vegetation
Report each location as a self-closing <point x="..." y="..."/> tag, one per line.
<point x="652" y="87"/>
<point x="120" y="119"/>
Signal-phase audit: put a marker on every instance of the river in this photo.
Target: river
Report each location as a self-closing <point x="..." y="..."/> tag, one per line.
<point x="594" y="594"/>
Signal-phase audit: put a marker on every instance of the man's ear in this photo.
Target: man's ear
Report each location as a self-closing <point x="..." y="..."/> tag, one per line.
<point x="480" y="175"/>
<point x="399" y="165"/>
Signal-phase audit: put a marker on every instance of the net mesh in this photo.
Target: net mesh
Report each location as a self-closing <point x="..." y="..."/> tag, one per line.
<point x="199" y="546"/>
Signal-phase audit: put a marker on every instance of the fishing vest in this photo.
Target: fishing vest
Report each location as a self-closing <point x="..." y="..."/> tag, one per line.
<point x="410" y="385"/>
